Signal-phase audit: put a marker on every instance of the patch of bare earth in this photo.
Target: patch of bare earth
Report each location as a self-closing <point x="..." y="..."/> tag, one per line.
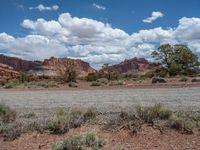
<point x="148" y="138"/>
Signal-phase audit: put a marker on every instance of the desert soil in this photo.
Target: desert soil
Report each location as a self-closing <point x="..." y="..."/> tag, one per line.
<point x="147" y="139"/>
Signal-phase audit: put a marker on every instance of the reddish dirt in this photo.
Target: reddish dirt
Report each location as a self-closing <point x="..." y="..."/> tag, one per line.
<point x="148" y="138"/>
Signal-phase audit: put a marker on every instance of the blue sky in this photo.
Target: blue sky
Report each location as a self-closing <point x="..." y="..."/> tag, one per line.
<point x="97" y="31"/>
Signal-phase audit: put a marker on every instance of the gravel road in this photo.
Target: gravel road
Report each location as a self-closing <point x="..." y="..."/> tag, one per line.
<point x="104" y="100"/>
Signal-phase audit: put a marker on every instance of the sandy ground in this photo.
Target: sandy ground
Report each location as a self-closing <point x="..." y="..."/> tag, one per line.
<point x="147" y="139"/>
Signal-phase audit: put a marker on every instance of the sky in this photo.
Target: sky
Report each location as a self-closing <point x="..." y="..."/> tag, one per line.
<point x="96" y="31"/>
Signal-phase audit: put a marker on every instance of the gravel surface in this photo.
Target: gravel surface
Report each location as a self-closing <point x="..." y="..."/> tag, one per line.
<point x="110" y="100"/>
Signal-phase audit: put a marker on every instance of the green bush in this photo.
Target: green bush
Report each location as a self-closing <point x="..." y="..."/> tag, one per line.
<point x="91" y="113"/>
<point x="80" y="142"/>
<point x="63" y="121"/>
<point x="60" y="123"/>
<point x="10" y="131"/>
<point x="25" y="77"/>
<point x="183" y="125"/>
<point x="7" y="114"/>
<point x="148" y="114"/>
<point x="161" y="72"/>
<point x="11" y="83"/>
<point x="92" y="77"/>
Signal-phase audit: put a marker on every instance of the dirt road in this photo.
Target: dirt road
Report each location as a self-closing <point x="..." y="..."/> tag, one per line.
<point x="105" y="100"/>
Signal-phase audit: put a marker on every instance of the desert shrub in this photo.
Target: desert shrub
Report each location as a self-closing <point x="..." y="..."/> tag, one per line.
<point x="148" y="114"/>
<point x="3" y="82"/>
<point x="34" y="126"/>
<point x="63" y="121"/>
<point x="92" y="77"/>
<point x="103" y="80"/>
<point x="96" y="83"/>
<point x="161" y="72"/>
<point x="94" y="141"/>
<point x="29" y="115"/>
<point x="80" y="142"/>
<point x="183" y="79"/>
<point x="10" y="131"/>
<point x="45" y="84"/>
<point x="11" y="83"/>
<point x="8" y="86"/>
<point x="183" y="125"/>
<point x="78" y="116"/>
<point x="25" y="77"/>
<point x="7" y="114"/>
<point x="90" y="113"/>
<point x="60" y="123"/>
<point x="70" y="72"/>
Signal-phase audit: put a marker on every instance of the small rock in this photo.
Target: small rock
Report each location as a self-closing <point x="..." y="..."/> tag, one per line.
<point x="195" y="80"/>
<point x="73" y="84"/>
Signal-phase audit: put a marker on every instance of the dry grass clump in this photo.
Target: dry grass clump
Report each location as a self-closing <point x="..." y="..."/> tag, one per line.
<point x="149" y="114"/>
<point x="10" y="131"/>
<point x="156" y="116"/>
<point x="7" y="114"/>
<point x="63" y="121"/>
<point x="80" y="142"/>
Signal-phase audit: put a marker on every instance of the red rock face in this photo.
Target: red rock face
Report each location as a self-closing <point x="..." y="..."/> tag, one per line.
<point x="49" y="67"/>
<point x="59" y="66"/>
<point x="132" y="65"/>
<point x="18" y="64"/>
<point x="7" y="71"/>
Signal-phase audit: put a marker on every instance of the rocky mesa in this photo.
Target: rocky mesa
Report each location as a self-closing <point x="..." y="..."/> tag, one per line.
<point x="133" y="65"/>
<point x="48" y="67"/>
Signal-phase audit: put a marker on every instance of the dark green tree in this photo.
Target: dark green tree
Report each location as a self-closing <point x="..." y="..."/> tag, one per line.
<point x="176" y="59"/>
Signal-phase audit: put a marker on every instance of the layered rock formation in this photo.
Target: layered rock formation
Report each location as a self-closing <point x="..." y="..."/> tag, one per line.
<point x="58" y="66"/>
<point x="7" y="71"/>
<point x="133" y="65"/>
<point x="18" y="64"/>
<point x="49" y="67"/>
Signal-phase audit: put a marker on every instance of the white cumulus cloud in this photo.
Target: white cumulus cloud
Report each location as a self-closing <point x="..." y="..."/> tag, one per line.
<point x="154" y="15"/>
<point x="94" y="41"/>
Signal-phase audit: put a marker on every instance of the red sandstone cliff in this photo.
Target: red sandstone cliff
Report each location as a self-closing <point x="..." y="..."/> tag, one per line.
<point x="133" y="65"/>
<point x="18" y="64"/>
<point x="49" y="67"/>
<point x="7" y="71"/>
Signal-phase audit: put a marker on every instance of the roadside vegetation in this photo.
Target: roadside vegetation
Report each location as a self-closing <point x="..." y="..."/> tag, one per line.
<point x="80" y="142"/>
<point x="157" y="116"/>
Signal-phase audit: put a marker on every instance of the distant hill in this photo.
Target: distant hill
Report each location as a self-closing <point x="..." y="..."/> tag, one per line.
<point x="133" y="65"/>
